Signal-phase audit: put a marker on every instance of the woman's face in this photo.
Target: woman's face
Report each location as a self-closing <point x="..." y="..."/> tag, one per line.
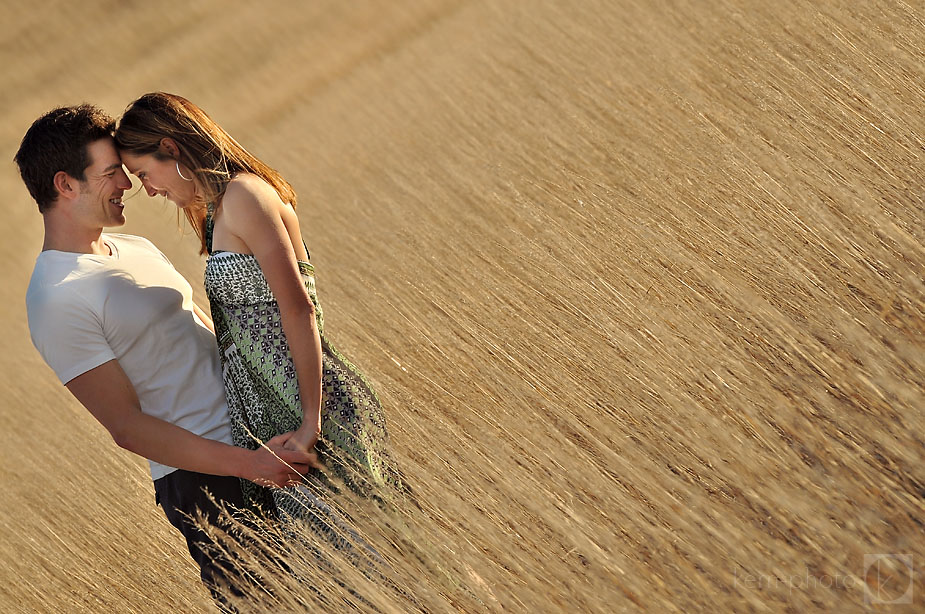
<point x="161" y="177"/>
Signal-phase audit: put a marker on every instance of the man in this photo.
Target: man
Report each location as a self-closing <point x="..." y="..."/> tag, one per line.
<point x="117" y="324"/>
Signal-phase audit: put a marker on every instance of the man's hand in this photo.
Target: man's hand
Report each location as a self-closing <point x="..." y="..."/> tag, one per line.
<point x="276" y="465"/>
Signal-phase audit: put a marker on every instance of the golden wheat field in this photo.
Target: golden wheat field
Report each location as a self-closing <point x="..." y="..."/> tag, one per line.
<point x="639" y="282"/>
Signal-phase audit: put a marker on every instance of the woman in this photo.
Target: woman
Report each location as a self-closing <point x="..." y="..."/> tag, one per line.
<point x="281" y="372"/>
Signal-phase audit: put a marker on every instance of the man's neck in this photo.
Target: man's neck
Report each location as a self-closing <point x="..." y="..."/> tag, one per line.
<point x="71" y="238"/>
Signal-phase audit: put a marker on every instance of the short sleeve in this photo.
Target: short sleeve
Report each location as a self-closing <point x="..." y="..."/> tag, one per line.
<point x="68" y="334"/>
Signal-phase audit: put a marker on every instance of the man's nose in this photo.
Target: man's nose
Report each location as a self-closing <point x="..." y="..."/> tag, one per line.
<point x="124" y="182"/>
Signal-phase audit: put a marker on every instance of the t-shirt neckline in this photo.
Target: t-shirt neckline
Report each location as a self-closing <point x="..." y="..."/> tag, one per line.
<point x="107" y="241"/>
<point x="113" y="248"/>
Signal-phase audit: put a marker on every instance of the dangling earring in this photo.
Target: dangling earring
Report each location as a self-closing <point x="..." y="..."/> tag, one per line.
<point x="181" y="174"/>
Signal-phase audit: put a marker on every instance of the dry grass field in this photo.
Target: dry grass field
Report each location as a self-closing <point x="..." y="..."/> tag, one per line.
<point x="640" y="283"/>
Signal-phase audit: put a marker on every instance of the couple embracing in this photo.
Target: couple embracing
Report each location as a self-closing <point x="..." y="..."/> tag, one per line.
<point x="249" y="403"/>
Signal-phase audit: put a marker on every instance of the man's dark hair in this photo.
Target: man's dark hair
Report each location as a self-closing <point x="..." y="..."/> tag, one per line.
<point x="57" y="141"/>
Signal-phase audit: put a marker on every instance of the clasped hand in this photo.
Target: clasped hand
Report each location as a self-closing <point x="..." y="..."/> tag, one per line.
<point x="283" y="462"/>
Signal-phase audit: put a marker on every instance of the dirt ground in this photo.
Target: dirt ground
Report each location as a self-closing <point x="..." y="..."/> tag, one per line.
<point x="640" y="284"/>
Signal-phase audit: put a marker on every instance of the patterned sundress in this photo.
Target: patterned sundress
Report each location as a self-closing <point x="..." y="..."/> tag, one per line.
<point x="263" y="392"/>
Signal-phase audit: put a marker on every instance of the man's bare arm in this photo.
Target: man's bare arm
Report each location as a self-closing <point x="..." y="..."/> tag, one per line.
<point x="109" y="395"/>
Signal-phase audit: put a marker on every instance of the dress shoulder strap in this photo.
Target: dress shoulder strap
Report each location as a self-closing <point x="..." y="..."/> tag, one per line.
<point x="208" y="226"/>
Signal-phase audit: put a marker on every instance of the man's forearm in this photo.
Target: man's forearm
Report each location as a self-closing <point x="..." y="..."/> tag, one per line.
<point x="174" y="446"/>
<point x="108" y="394"/>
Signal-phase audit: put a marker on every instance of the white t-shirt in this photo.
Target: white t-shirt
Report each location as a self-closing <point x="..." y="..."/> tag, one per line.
<point x="85" y="310"/>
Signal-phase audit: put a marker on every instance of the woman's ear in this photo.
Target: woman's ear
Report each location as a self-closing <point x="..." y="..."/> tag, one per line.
<point x="169" y="147"/>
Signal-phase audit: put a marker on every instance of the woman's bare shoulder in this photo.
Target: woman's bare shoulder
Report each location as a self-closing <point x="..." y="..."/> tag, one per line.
<point x="248" y="197"/>
<point x="247" y="187"/>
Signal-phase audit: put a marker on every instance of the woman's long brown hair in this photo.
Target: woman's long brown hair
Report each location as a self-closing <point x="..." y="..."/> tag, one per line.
<point x="205" y="148"/>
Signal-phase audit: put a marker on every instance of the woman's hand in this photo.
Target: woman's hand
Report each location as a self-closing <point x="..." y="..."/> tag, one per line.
<point x="304" y="439"/>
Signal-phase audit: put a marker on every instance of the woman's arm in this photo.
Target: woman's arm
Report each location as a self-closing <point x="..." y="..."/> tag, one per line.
<point x="251" y="210"/>
<point x="206" y="318"/>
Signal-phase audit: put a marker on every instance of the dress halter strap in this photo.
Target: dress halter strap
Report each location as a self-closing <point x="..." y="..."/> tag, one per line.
<point x="208" y="226"/>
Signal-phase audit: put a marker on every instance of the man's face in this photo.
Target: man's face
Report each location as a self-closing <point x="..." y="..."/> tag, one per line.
<point x="100" y="201"/>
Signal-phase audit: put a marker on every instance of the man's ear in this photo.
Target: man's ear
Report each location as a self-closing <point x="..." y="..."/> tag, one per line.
<point x="65" y="185"/>
<point x="169" y="146"/>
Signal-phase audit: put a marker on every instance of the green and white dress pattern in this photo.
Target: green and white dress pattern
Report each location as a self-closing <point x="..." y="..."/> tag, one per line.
<point x="263" y="392"/>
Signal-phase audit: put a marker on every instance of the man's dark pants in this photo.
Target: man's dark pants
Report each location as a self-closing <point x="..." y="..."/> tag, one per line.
<point x="182" y="494"/>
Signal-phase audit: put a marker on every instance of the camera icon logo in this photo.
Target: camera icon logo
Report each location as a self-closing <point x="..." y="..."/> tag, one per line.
<point x="888" y="579"/>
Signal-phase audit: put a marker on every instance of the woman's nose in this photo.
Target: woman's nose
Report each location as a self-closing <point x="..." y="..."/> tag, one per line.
<point x="151" y="191"/>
